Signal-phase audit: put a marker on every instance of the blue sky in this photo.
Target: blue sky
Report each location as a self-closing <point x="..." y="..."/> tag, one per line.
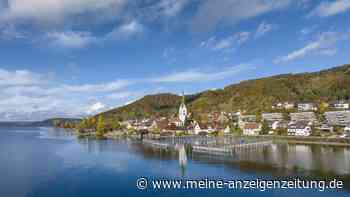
<point x="76" y="58"/>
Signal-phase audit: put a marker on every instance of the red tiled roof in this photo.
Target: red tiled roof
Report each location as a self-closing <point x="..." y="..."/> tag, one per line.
<point x="251" y="125"/>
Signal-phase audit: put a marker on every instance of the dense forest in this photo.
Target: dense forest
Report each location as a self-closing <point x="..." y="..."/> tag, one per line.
<point x="252" y="95"/>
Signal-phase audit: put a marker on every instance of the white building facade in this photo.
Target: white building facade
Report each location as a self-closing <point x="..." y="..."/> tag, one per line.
<point x="183" y="111"/>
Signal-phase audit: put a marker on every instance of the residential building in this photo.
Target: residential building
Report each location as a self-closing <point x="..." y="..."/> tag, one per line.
<point x="227" y="130"/>
<point x="325" y="128"/>
<point x="251" y="128"/>
<point x="176" y="121"/>
<point x="288" y="105"/>
<point x="303" y="116"/>
<point x="279" y="124"/>
<point x="307" y="107"/>
<point x="285" y="105"/>
<point x="347" y="131"/>
<point x="200" y="128"/>
<point x="339" y="105"/>
<point x="272" y="116"/>
<point x="299" y="129"/>
<point x="161" y="124"/>
<point x="338" y="118"/>
<point x="243" y="119"/>
<point x="247" y="118"/>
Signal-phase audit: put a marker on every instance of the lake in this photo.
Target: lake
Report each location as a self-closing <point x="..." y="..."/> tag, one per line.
<point x="47" y="162"/>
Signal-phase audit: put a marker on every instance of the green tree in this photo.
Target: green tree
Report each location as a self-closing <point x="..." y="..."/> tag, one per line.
<point x="82" y="125"/>
<point x="285" y="114"/>
<point x="258" y="115"/>
<point x="101" y="126"/>
<point x="116" y="125"/>
<point x="282" y="131"/>
<point x="235" y="129"/>
<point x="265" y="128"/>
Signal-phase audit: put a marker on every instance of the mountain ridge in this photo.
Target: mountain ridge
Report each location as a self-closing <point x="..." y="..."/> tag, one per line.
<point x="254" y="95"/>
<point x="44" y="123"/>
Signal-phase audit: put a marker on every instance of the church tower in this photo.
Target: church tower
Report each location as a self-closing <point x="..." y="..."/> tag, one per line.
<point x="183" y="111"/>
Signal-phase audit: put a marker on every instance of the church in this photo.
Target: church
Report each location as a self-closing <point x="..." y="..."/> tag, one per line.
<point x="183" y="111"/>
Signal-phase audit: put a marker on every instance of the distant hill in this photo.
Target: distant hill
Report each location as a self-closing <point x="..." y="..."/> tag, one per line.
<point x="44" y="123"/>
<point x="251" y="95"/>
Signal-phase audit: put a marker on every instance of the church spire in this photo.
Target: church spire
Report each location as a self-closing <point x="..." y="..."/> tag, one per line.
<point x="183" y="111"/>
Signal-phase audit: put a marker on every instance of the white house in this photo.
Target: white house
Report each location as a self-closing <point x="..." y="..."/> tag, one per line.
<point x="251" y="128"/>
<point x="338" y="118"/>
<point x="272" y="116"/>
<point x="299" y="129"/>
<point x="227" y="130"/>
<point x="303" y="116"/>
<point x="307" y="107"/>
<point x="347" y="131"/>
<point x="326" y="128"/>
<point x="288" y="105"/>
<point x="279" y="124"/>
<point x="285" y="105"/>
<point x="339" y="105"/>
<point x="200" y="128"/>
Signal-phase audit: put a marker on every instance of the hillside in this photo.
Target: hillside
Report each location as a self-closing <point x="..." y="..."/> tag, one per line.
<point x="44" y="123"/>
<point x="253" y="95"/>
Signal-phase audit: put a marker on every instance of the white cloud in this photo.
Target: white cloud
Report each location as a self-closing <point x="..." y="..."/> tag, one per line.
<point x="325" y="44"/>
<point x="20" y="77"/>
<point x="120" y="95"/>
<point x="128" y="29"/>
<point x="331" y="8"/>
<point x="200" y="76"/>
<point x="78" y="40"/>
<point x="10" y="32"/>
<point x="226" y="43"/>
<point x="211" y="13"/>
<point x="104" y="87"/>
<point x="308" y="30"/>
<point x="171" y="8"/>
<point x="263" y="29"/>
<point x="70" y="39"/>
<point x="304" y="3"/>
<point x="59" y="11"/>
<point x="95" y="108"/>
<point x="26" y="95"/>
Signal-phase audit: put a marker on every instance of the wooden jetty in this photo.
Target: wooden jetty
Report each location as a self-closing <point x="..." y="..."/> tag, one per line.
<point x="157" y="144"/>
<point x="231" y="148"/>
<point x="210" y="145"/>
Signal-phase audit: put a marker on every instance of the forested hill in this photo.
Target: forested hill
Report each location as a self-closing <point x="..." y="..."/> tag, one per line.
<point x="253" y="95"/>
<point x="44" y="123"/>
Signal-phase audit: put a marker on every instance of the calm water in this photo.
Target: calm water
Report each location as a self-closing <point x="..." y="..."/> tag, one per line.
<point x="50" y="163"/>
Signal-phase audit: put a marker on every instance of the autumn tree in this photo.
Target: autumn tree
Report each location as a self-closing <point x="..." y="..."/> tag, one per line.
<point x="116" y="125"/>
<point x="235" y="129"/>
<point x="265" y="128"/>
<point x="101" y="125"/>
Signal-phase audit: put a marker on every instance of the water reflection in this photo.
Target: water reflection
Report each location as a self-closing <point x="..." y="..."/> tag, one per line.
<point x="37" y="166"/>
<point x="182" y="158"/>
<point x="279" y="159"/>
<point x="285" y="159"/>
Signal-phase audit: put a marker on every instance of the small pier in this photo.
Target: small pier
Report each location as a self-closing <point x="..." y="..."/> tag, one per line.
<point x="232" y="148"/>
<point x="157" y="144"/>
<point x="211" y="145"/>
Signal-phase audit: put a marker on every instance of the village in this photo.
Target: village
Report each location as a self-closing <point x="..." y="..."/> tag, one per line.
<point x="305" y="119"/>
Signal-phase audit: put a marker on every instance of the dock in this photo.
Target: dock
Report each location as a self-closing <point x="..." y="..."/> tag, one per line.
<point x="232" y="148"/>
<point x="211" y="145"/>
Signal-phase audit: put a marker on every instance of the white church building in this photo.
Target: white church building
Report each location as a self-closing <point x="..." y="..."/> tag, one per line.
<point x="183" y="111"/>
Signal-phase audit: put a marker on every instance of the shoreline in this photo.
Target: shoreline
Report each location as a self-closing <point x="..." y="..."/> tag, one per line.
<point x="322" y="141"/>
